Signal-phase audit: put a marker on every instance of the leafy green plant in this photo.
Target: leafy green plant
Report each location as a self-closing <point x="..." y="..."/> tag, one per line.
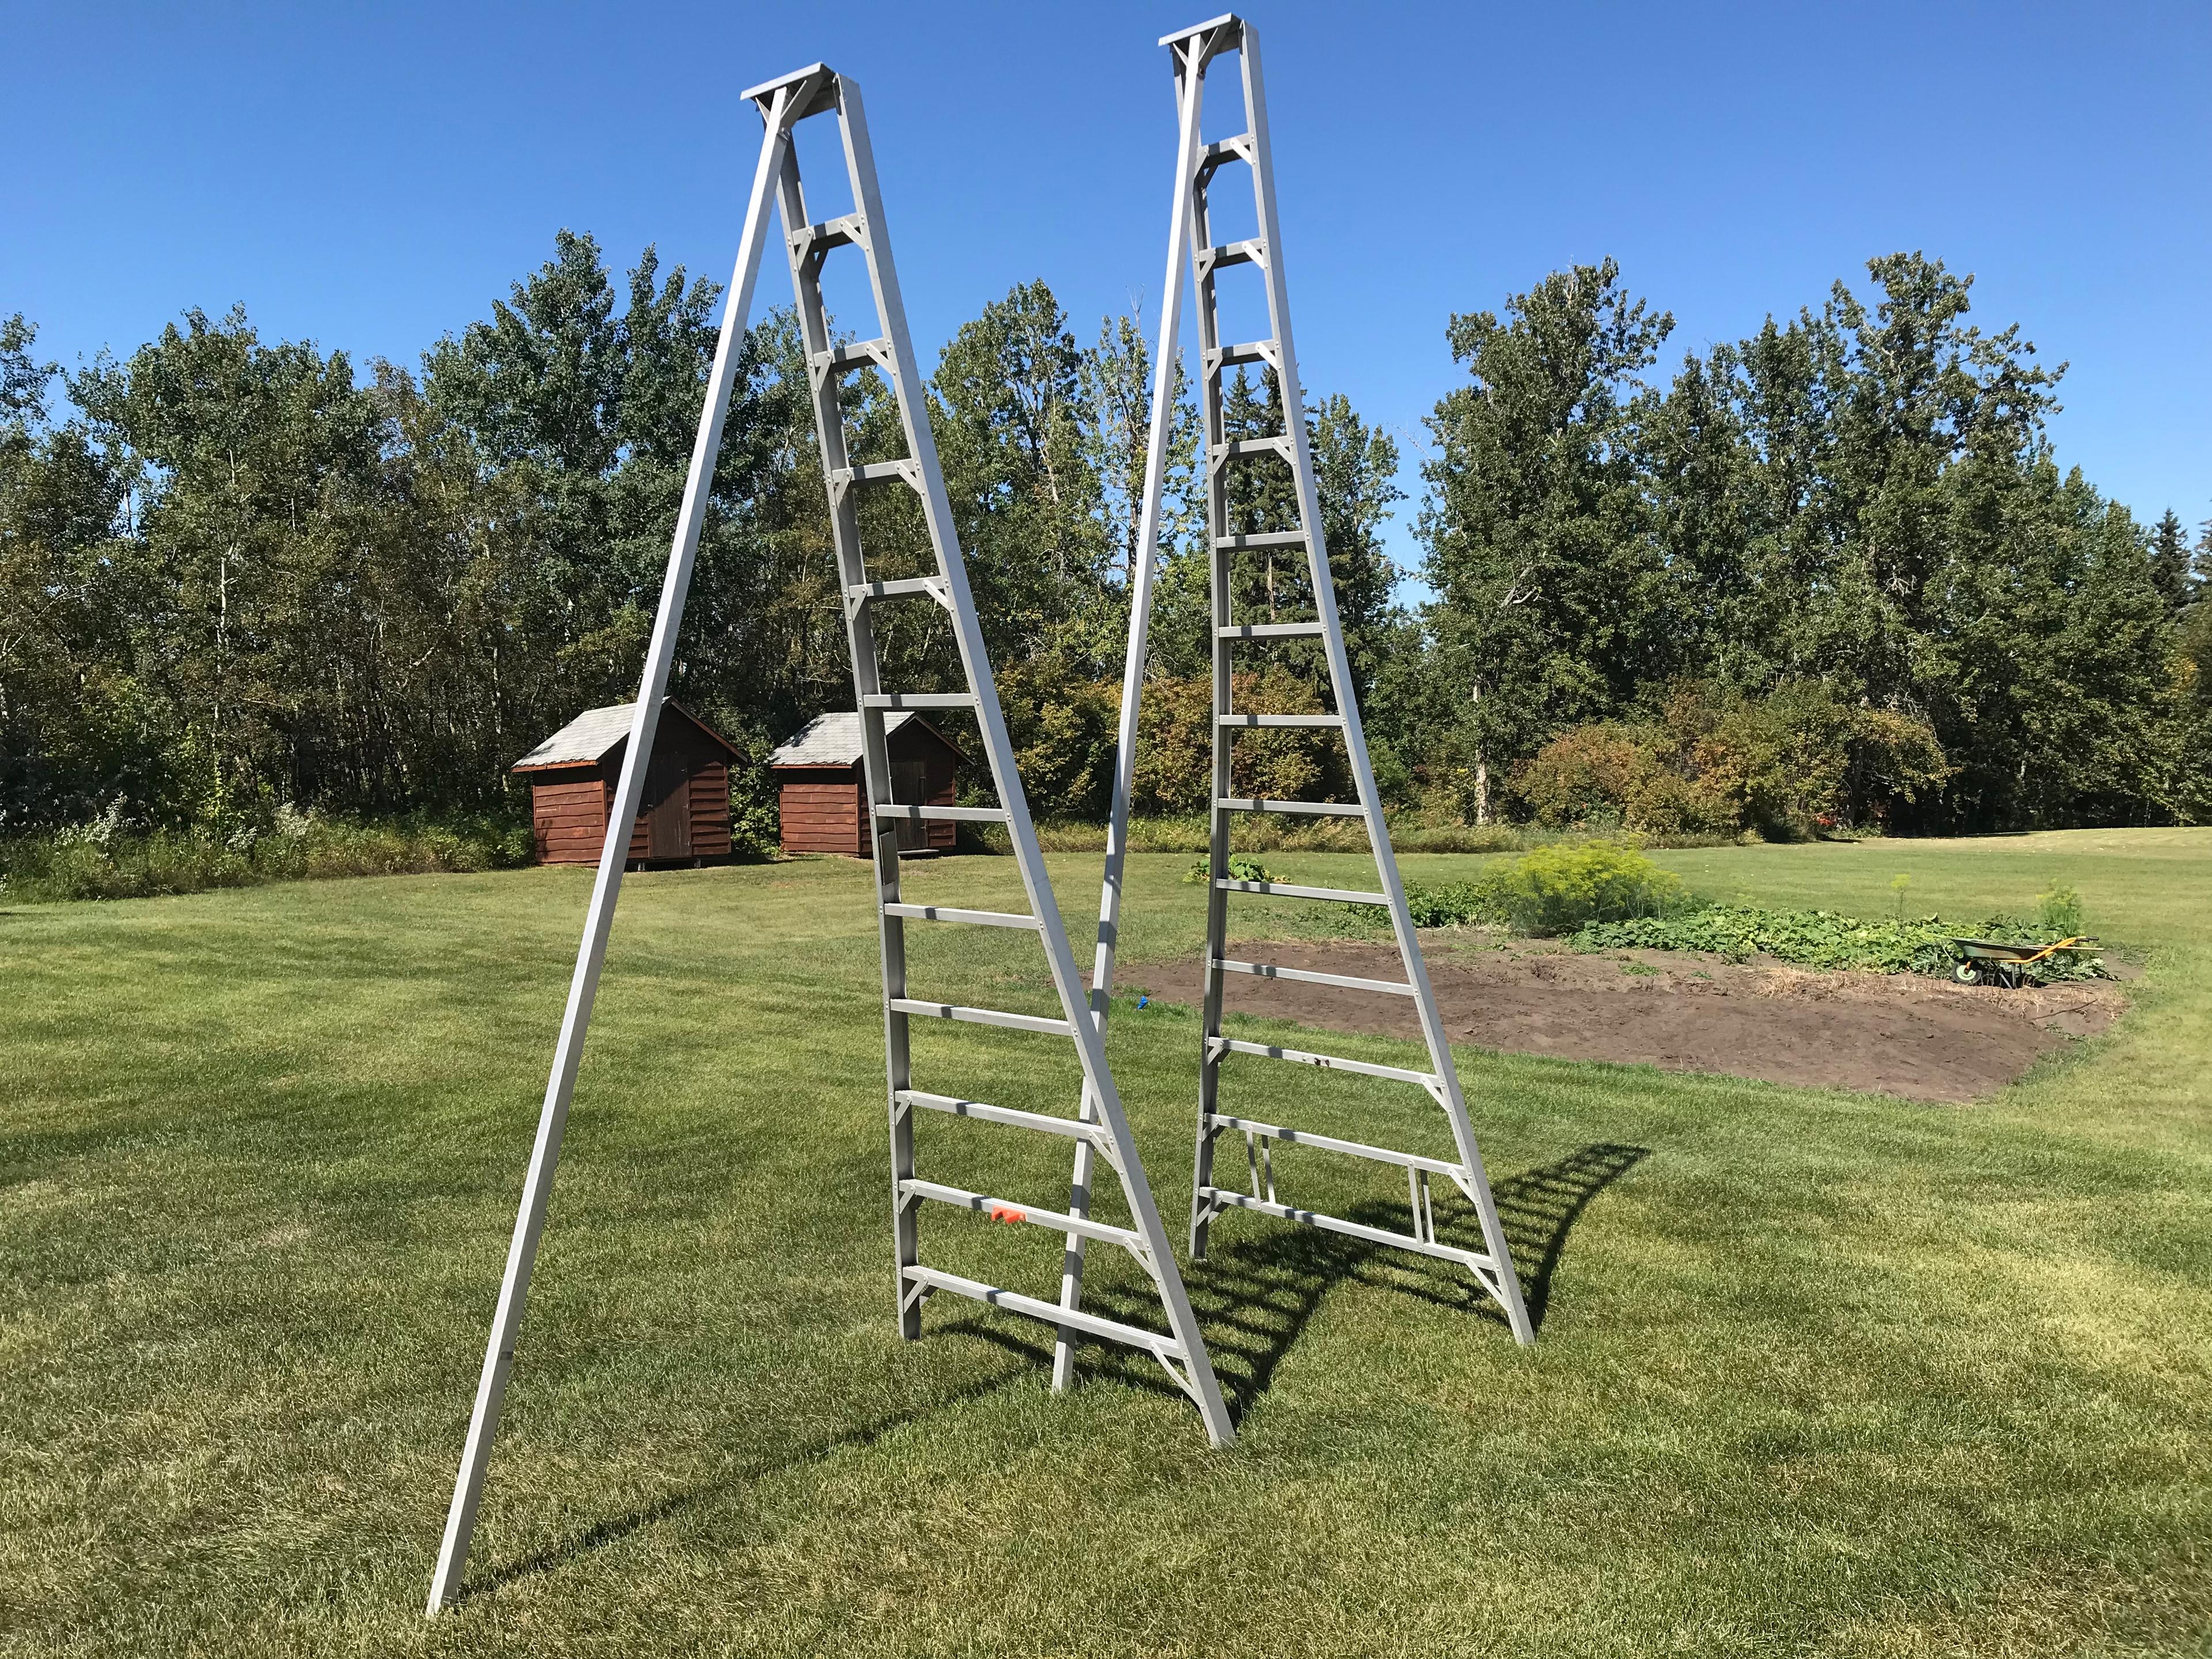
<point x="1824" y="938"/>
<point x="1242" y="867"/>
<point x="1552" y="890"/>
<point x="2059" y="914"/>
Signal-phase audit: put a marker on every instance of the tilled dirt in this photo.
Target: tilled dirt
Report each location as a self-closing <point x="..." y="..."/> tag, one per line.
<point x="1902" y="1034"/>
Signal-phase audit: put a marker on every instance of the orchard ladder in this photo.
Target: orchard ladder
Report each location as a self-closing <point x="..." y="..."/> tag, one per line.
<point x="1189" y="237"/>
<point x="1101" y="1131"/>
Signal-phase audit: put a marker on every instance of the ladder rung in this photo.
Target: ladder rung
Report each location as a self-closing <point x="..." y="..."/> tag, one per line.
<point x="1298" y="631"/>
<point x="1248" y="351"/>
<point x="1284" y="889"/>
<point x="943" y="814"/>
<point x="1260" y="541"/>
<point x="1250" y="251"/>
<point x="1337" y="1224"/>
<point x="1307" y="976"/>
<point x="1442" y="1166"/>
<point x="1074" y="1129"/>
<point x="848" y="232"/>
<point x="1313" y="720"/>
<point x="944" y="913"/>
<point x="1318" y="809"/>
<point x="1237" y="148"/>
<point x="1237" y="449"/>
<point x="897" y="586"/>
<point x="919" y="699"/>
<point x="857" y="353"/>
<point x="982" y="1017"/>
<point x="1217" y="1047"/>
<point x="1158" y="1342"/>
<point x="900" y="472"/>
<point x="1061" y="1221"/>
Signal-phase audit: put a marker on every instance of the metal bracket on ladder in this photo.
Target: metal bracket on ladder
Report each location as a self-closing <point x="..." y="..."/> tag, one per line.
<point x="1189" y="240"/>
<point x="1102" y="1130"/>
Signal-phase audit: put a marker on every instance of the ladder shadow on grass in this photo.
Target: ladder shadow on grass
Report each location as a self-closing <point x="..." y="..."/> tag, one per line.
<point x="612" y="1530"/>
<point x="1261" y="1286"/>
<point x="1538" y="1208"/>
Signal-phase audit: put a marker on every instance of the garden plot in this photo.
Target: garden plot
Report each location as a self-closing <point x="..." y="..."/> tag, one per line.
<point x="1897" y="1034"/>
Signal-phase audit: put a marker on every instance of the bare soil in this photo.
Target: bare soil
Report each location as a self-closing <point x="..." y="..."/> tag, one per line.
<point x="1901" y="1033"/>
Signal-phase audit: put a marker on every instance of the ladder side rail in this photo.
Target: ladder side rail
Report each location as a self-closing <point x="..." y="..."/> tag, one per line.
<point x="1143" y="571"/>
<point x="806" y="260"/>
<point x="591" y="954"/>
<point x="991" y="721"/>
<point x="1293" y="398"/>
<point x="1219" y="553"/>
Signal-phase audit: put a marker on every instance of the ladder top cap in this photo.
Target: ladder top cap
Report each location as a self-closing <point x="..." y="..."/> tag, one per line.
<point x="766" y="89"/>
<point x="1227" y="19"/>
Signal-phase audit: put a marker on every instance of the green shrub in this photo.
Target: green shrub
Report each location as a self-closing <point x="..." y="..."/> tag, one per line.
<point x="2059" y="915"/>
<point x="1552" y="890"/>
<point x="1556" y="889"/>
<point x="105" y="860"/>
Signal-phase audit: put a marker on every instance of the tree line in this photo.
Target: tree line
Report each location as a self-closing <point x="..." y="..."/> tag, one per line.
<point x="1831" y="572"/>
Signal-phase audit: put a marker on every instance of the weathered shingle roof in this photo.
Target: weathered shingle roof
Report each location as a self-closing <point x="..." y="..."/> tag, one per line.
<point x="831" y="740"/>
<point x="597" y="732"/>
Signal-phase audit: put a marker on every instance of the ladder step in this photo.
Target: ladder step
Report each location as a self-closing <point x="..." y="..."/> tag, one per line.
<point x="1237" y="449"/>
<point x="1260" y="541"/>
<point x="1074" y="1129"/>
<point x="982" y="1017"/>
<point x="1442" y="1166"/>
<point x="851" y="231"/>
<point x="919" y="699"/>
<point x="1474" y="1259"/>
<point x="1319" y="809"/>
<point x="1313" y="720"/>
<point x="945" y="912"/>
<point x="875" y="354"/>
<point x="943" y="814"/>
<point x="1237" y="148"/>
<point x="899" y="586"/>
<point x="1249" y="351"/>
<point x="1297" y="630"/>
<point x="1217" y="1047"/>
<point x="1307" y="976"/>
<point x="1284" y="889"/>
<point x="902" y="471"/>
<point x="1061" y="1221"/>
<point x="1158" y="1343"/>
<point x="1250" y="251"/>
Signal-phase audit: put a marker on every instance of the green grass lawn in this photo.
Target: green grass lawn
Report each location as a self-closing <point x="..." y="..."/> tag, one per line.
<point x="1817" y="1372"/>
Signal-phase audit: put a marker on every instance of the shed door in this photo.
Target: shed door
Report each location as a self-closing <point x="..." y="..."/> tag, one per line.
<point x="911" y="787"/>
<point x="667" y="809"/>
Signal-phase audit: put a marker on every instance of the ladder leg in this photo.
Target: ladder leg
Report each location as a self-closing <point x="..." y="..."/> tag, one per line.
<point x="1071" y="1269"/>
<point x="629" y="792"/>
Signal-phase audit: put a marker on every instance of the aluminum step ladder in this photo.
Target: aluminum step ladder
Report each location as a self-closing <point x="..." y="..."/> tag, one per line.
<point x="1101" y="1131"/>
<point x="1189" y="237"/>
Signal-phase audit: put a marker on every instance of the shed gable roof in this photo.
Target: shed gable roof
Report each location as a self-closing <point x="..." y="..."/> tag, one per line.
<point x="597" y="732"/>
<point x="834" y="740"/>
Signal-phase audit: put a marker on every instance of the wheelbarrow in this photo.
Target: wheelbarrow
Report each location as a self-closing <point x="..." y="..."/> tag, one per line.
<point x="1985" y="962"/>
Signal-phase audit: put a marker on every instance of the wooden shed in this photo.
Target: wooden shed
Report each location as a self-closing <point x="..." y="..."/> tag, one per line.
<point x="573" y="776"/>
<point x="822" y="796"/>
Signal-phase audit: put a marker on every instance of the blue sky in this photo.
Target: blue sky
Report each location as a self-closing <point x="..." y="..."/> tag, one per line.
<point x="371" y="177"/>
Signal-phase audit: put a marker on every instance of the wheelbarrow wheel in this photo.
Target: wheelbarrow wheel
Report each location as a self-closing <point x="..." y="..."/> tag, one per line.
<point x="1966" y="973"/>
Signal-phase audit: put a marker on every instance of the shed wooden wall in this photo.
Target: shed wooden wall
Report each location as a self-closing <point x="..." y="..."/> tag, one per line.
<point x="568" y="806"/>
<point x="820" y="809"/>
<point x="823" y="809"/>
<point x="568" y="812"/>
